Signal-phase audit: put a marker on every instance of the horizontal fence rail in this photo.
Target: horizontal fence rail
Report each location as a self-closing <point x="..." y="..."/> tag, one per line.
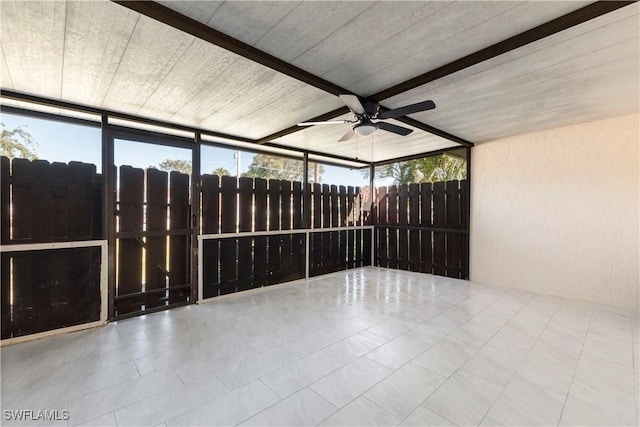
<point x="233" y="262"/>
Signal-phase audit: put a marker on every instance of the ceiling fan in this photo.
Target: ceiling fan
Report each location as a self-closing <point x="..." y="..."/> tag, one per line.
<point x="365" y="110"/>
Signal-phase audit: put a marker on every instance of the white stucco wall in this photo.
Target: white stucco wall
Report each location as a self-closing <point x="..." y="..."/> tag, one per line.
<point x="557" y="212"/>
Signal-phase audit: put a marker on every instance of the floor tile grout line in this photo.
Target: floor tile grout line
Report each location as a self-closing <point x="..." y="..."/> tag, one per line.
<point x="128" y="404"/>
<point x="519" y="365"/>
<point x="575" y="369"/>
<point x="485" y="343"/>
<point x="427" y="349"/>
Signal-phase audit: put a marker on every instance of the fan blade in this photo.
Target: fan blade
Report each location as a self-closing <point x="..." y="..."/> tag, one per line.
<point x="354" y="103"/>
<point x="394" y="129"/>
<point x="347" y="136"/>
<point x="408" y="109"/>
<point x="329" y="122"/>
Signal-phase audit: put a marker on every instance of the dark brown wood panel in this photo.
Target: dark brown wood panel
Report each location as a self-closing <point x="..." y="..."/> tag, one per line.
<point x="274" y="204"/>
<point x="59" y="202"/>
<point x="179" y="248"/>
<point x="426" y="220"/>
<point x="414" y="221"/>
<point x="453" y="220"/>
<point x="228" y="204"/>
<point x="228" y="266"/>
<point x="260" y="189"/>
<point x="366" y="247"/>
<point x="381" y="230"/>
<point x="464" y="209"/>
<point x="210" y="204"/>
<point x="273" y="254"/>
<point x="260" y="263"/>
<point x="245" y="264"/>
<point x="317" y="205"/>
<point x="52" y="289"/>
<point x="245" y="201"/>
<point x="27" y="202"/>
<point x="403" y="219"/>
<point x="392" y="231"/>
<point x="5" y="286"/>
<point x="285" y="205"/>
<point x="156" y="247"/>
<point x="439" y="220"/>
<point x="211" y="268"/>
<point x="5" y="200"/>
<point x="130" y="209"/>
<point x="298" y="207"/>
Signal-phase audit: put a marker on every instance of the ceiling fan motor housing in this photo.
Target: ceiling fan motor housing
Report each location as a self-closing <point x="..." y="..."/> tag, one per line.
<point x="370" y="106"/>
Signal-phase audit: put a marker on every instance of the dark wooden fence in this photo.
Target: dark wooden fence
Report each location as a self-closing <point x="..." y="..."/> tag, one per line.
<point x="153" y="240"/>
<point x="231" y="205"/>
<point x="423" y="227"/>
<point x="44" y="202"/>
<point x="418" y="227"/>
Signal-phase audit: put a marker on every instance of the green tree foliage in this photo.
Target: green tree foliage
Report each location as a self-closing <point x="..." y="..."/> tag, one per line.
<point x="183" y="166"/>
<point x="17" y="143"/>
<point x="442" y="167"/>
<point x="221" y="172"/>
<point x="275" y="167"/>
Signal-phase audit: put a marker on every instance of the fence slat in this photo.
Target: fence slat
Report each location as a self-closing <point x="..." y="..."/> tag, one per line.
<point x="351" y="243"/>
<point x="156" y="247"/>
<point x="274" y="204"/>
<point x="26" y="202"/>
<point x="439" y="220"/>
<point x="298" y="207"/>
<point x="393" y="232"/>
<point x="403" y="237"/>
<point x="245" y="245"/>
<point x="210" y="204"/>
<point x="179" y="213"/>
<point x="453" y="220"/>
<point x="130" y="250"/>
<point x="5" y="200"/>
<point x="245" y="201"/>
<point x="464" y="211"/>
<point x="228" y="206"/>
<point x="382" y="241"/>
<point x="342" y="222"/>
<point x="414" y="221"/>
<point x="285" y="205"/>
<point x="273" y="253"/>
<point x="261" y="207"/>
<point x="59" y="202"/>
<point x="210" y="272"/>
<point x="426" y="236"/>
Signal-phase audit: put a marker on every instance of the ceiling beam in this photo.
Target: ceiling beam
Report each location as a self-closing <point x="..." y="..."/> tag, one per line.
<point x="547" y="29"/>
<point x="197" y="29"/>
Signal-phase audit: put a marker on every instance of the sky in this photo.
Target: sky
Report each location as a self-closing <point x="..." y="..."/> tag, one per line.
<point x="64" y="142"/>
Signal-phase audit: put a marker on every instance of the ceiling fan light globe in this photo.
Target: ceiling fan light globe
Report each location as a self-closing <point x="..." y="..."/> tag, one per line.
<point x="364" y="129"/>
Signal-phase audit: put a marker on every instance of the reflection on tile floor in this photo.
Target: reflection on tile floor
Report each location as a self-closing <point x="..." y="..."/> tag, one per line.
<point x="364" y="347"/>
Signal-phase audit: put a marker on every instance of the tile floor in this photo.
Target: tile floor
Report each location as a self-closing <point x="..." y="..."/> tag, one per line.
<point x="365" y="347"/>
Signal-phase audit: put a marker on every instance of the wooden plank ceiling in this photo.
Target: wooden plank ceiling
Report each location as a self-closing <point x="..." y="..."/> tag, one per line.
<point x="102" y="54"/>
